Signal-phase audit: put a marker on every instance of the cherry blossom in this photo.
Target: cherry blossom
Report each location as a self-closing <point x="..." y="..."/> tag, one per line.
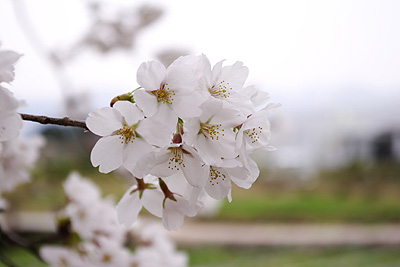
<point x="122" y="143"/>
<point x="225" y="84"/>
<point x="102" y="240"/>
<point x="179" y="157"/>
<point x="212" y="133"/>
<point x="167" y="93"/>
<point x="200" y="126"/>
<point x="146" y="193"/>
<point x="181" y="199"/>
<point x="17" y="157"/>
<point x="7" y="61"/>
<point x="255" y="132"/>
<point x="10" y="120"/>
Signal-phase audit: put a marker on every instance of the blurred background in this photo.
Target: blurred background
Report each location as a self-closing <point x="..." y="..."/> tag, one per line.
<point x="333" y="65"/>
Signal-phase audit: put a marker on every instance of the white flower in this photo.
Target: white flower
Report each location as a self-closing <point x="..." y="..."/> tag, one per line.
<point x="95" y="220"/>
<point x="257" y="97"/>
<point x="10" y="120"/>
<point x="103" y="240"/>
<point x="243" y="174"/>
<point x="212" y="133"/>
<point x="167" y="93"/>
<point x="179" y="157"/>
<point x="17" y="157"/>
<point x="146" y="194"/>
<point x="154" y="247"/>
<point x="104" y="253"/>
<point x="80" y="190"/>
<point x="58" y="256"/>
<point x="254" y="133"/>
<point x="7" y="61"/>
<point x="122" y="143"/>
<point x="181" y="199"/>
<point x="91" y="217"/>
<point x="175" y="211"/>
<point x="225" y="84"/>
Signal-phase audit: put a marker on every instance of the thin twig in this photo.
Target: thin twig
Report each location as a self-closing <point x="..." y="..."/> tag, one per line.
<point x="57" y="121"/>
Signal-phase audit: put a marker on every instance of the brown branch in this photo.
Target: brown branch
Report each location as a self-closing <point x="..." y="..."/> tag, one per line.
<point x="57" y="121"/>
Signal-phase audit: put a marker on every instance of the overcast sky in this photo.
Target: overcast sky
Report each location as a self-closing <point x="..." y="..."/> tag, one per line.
<point x="320" y="55"/>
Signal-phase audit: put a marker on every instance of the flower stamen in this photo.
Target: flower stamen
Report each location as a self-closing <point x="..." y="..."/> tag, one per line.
<point x="253" y="134"/>
<point x="220" y="90"/>
<point x="176" y="161"/>
<point x="214" y="175"/>
<point x="212" y="131"/>
<point x="127" y="134"/>
<point x="164" y="94"/>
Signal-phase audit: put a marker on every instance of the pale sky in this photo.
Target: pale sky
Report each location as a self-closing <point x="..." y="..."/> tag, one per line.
<point x="320" y="54"/>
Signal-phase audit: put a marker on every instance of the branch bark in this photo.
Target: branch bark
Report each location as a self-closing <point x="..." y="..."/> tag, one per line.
<point x="57" y="121"/>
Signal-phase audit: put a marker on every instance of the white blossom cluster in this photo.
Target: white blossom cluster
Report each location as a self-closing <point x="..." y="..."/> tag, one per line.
<point x="102" y="241"/>
<point x="187" y="132"/>
<point x="17" y="154"/>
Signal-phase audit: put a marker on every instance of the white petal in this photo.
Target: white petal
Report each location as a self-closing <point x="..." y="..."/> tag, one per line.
<point x="228" y="118"/>
<point x="191" y="127"/>
<point x="208" y="150"/>
<point x="131" y="113"/>
<point x="129" y="207"/>
<point x="236" y="74"/>
<point x="216" y="72"/>
<point x="252" y="171"/>
<point x="133" y="152"/>
<point x="166" y="116"/>
<point x="162" y="164"/>
<point x="150" y="75"/>
<point x="188" y="106"/>
<point x="146" y="101"/>
<point x="220" y="186"/>
<point x="10" y="126"/>
<point x="7" y="60"/>
<point x="8" y="103"/>
<point x="104" y="121"/>
<point x="155" y="133"/>
<point x="107" y="153"/>
<point x="194" y="171"/>
<point x="152" y="201"/>
<point x="210" y="108"/>
<point x="172" y="218"/>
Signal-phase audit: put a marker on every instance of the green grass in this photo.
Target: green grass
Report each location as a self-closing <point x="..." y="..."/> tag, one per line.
<point x="46" y="193"/>
<point x="215" y="256"/>
<point x="21" y="257"/>
<point x="356" y="193"/>
<point x="314" y="207"/>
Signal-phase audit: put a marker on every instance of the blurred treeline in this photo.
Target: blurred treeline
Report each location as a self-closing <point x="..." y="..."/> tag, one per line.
<point x="361" y="191"/>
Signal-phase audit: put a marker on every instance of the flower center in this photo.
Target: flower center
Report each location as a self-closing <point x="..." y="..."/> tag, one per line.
<point x="220" y="90"/>
<point x="126" y="134"/>
<point x="164" y="94"/>
<point x="214" y="175"/>
<point x="212" y="131"/>
<point x="176" y="159"/>
<point x="253" y="134"/>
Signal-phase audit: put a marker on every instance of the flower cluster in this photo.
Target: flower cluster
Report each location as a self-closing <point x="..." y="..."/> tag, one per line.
<point x="94" y="237"/>
<point x="10" y="121"/>
<point x="185" y="133"/>
<point x="17" y="155"/>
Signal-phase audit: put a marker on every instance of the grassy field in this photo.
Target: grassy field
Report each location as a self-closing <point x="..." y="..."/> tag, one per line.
<point x="357" y="193"/>
<point x="352" y="194"/>
<point x="294" y="257"/>
<point x="308" y="207"/>
<point x="215" y="256"/>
